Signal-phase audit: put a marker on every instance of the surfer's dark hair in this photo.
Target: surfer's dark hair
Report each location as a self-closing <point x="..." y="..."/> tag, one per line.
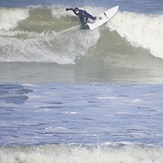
<point x="76" y="8"/>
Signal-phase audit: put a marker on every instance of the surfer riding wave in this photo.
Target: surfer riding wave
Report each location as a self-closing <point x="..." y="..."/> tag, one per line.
<point x="83" y="16"/>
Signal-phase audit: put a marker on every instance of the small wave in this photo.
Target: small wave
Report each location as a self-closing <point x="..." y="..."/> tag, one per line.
<point x="13" y="93"/>
<point x="69" y="154"/>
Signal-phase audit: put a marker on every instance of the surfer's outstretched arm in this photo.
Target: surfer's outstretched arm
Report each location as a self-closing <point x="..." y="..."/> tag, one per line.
<point x="67" y="9"/>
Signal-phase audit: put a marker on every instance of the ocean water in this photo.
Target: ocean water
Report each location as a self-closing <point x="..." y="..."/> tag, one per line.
<point x="72" y="96"/>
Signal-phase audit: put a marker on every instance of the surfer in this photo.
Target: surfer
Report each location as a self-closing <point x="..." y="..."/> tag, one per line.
<point x="82" y="14"/>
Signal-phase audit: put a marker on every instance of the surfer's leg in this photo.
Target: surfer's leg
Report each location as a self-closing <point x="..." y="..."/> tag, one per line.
<point x="82" y="20"/>
<point x="85" y="27"/>
<point x="85" y="20"/>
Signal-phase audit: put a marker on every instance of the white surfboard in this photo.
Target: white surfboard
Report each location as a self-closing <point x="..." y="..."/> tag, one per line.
<point x="102" y="18"/>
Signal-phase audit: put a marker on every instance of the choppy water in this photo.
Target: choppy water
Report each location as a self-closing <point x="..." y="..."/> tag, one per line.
<point x="107" y="123"/>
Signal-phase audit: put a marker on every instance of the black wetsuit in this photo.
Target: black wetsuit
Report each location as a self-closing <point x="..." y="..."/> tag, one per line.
<point x="83" y="16"/>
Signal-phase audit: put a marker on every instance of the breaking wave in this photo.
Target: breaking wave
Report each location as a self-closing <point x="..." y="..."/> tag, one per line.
<point x="69" y="154"/>
<point x="50" y="34"/>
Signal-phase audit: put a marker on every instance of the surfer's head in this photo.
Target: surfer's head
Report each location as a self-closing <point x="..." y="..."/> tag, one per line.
<point x="76" y="10"/>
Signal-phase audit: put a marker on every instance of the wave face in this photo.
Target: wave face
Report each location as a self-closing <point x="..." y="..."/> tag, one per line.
<point x="140" y="30"/>
<point x="70" y="154"/>
<point x="50" y="34"/>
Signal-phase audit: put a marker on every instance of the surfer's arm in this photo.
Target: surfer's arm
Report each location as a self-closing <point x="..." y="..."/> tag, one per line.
<point x="67" y="9"/>
<point x="89" y="15"/>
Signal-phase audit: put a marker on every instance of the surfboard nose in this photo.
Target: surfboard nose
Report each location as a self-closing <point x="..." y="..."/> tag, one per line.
<point x="103" y="18"/>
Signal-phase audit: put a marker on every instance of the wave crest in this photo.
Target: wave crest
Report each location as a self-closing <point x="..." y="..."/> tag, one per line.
<point x="140" y="30"/>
